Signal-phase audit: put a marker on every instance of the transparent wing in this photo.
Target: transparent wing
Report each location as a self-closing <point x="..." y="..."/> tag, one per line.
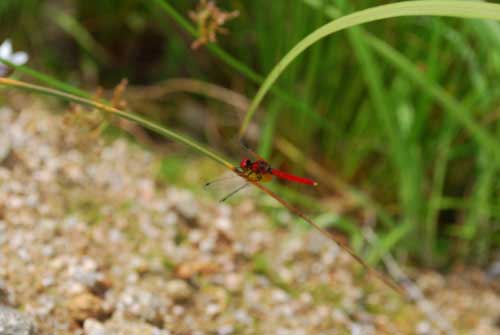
<point x="236" y="190"/>
<point x="226" y="186"/>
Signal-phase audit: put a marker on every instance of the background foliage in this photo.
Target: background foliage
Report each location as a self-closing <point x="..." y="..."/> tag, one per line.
<point x="368" y="106"/>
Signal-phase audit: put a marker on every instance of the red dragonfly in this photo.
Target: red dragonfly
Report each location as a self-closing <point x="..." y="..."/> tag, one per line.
<point x="259" y="170"/>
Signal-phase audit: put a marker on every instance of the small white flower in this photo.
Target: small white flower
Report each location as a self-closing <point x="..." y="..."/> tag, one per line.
<point x="18" y="58"/>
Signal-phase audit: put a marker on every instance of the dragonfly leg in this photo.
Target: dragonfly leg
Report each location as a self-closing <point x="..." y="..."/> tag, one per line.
<point x="234" y="192"/>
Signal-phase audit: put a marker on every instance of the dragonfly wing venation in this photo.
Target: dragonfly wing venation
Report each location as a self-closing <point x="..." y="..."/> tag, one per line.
<point x="226" y="186"/>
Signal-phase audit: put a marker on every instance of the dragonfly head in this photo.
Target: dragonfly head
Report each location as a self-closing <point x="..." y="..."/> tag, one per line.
<point x="245" y="163"/>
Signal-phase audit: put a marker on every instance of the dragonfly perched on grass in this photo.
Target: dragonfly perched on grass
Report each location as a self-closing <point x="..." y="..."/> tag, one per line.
<point x="259" y="170"/>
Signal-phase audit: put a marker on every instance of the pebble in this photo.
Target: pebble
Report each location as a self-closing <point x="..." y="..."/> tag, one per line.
<point x="170" y="219"/>
<point x="242" y="317"/>
<point x="13" y="322"/>
<point x="118" y="326"/>
<point x="494" y="270"/>
<point x="225" y="330"/>
<point x="233" y="282"/>
<point x="279" y="296"/>
<point x="184" y="203"/>
<point x="223" y="223"/>
<point x="179" y="290"/>
<point x="423" y="327"/>
<point x="141" y="303"/>
<point x="212" y="309"/>
<point x="94" y="327"/>
<point x="84" y="274"/>
<point x="86" y="305"/>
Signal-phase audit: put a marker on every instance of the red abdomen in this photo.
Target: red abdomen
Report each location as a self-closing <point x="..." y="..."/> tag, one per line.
<point x="290" y="177"/>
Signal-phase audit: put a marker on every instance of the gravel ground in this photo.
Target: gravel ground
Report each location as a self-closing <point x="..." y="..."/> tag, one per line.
<point x="91" y="243"/>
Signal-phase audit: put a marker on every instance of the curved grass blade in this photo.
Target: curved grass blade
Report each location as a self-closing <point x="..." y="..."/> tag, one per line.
<point x="123" y="114"/>
<point x="460" y="9"/>
<point x="433" y="91"/>
<point x="245" y="70"/>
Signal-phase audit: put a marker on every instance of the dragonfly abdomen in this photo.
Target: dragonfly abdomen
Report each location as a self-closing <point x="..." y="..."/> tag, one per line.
<point x="290" y="177"/>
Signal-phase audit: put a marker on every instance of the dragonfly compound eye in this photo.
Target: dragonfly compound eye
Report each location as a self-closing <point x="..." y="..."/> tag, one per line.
<point x="245" y="163"/>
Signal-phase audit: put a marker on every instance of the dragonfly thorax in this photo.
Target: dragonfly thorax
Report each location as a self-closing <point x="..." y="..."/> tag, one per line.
<point x="259" y="166"/>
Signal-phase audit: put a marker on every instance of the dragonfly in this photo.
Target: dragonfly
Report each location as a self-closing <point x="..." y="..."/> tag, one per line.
<point x="257" y="171"/>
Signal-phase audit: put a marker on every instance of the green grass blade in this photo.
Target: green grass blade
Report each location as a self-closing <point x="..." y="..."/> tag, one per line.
<point x="450" y="105"/>
<point x="46" y="79"/>
<point x="289" y="99"/>
<point x="437" y="187"/>
<point x="460" y="9"/>
<point x="214" y="48"/>
<point x="405" y="157"/>
<point x="185" y="24"/>
<point x="427" y="83"/>
<point x="72" y="27"/>
<point x="154" y="126"/>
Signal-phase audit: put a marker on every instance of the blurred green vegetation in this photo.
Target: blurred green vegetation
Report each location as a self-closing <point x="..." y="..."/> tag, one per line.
<point x="373" y="106"/>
